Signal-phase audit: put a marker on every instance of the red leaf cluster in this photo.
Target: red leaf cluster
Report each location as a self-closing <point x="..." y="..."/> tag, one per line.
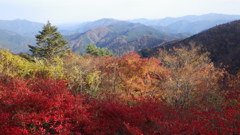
<point x="47" y="107"/>
<point x="41" y="107"/>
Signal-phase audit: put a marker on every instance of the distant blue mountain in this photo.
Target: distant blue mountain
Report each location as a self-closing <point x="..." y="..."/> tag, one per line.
<point x="16" y="35"/>
<point x="22" y="27"/>
<point x="14" y="41"/>
<point x="68" y="29"/>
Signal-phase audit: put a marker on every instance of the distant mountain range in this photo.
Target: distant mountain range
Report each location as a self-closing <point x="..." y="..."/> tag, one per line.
<point x="222" y="41"/>
<point x="16" y="35"/>
<point x="191" y="24"/>
<point x="68" y="29"/>
<point x="22" y="27"/>
<point x="14" y="41"/>
<point x="119" y="36"/>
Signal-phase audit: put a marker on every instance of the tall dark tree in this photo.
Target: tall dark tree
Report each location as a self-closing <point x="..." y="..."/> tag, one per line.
<point x="49" y="43"/>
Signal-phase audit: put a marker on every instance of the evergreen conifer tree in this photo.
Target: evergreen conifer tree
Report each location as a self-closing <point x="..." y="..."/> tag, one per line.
<point x="49" y="43"/>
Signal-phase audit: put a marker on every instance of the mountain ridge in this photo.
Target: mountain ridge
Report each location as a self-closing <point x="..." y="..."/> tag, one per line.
<point x="190" y="23"/>
<point x="27" y="30"/>
<point x="115" y="36"/>
<point x="222" y="41"/>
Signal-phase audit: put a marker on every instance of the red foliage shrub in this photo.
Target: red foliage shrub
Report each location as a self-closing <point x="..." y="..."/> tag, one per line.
<point x="40" y="107"/>
<point x="155" y="118"/>
<point x="47" y="107"/>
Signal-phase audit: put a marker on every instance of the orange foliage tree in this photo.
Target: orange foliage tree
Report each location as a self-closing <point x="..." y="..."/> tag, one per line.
<point x="131" y="76"/>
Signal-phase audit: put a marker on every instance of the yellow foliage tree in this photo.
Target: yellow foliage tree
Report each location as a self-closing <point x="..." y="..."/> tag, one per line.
<point x="193" y="80"/>
<point x="14" y="65"/>
<point x="83" y="74"/>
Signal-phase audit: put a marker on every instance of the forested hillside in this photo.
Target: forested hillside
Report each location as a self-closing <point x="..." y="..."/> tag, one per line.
<point x="222" y="42"/>
<point x="117" y="95"/>
<point x="56" y="91"/>
<point x="120" y="38"/>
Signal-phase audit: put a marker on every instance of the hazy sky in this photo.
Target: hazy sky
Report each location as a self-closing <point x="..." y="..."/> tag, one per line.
<point x="62" y="11"/>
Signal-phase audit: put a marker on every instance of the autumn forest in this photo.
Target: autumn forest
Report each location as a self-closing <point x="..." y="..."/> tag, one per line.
<point x="53" y="90"/>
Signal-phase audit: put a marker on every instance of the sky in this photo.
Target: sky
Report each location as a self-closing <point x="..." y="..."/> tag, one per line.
<point x="74" y="11"/>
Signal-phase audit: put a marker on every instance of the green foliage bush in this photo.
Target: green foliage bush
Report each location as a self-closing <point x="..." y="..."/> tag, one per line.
<point x="96" y="51"/>
<point x="82" y="73"/>
<point x="15" y="65"/>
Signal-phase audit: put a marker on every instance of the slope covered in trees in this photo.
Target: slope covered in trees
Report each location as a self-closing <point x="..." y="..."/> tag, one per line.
<point x="120" y="38"/>
<point x="180" y="92"/>
<point x="222" y="42"/>
<point x="118" y="95"/>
